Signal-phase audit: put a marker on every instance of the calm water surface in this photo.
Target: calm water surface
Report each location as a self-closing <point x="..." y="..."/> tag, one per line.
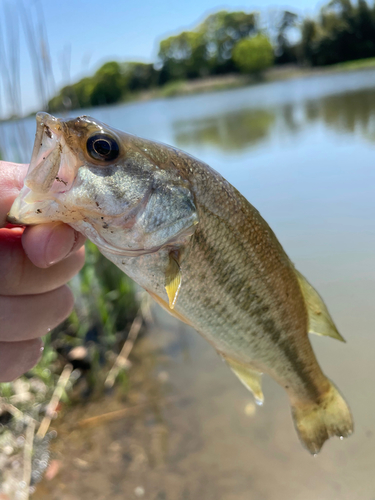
<point x="303" y="153"/>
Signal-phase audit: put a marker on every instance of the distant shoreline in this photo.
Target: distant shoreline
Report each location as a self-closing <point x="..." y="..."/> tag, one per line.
<point x="229" y="81"/>
<point x="232" y="81"/>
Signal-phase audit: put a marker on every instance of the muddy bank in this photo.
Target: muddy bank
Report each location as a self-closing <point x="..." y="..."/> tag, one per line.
<point x="195" y="432"/>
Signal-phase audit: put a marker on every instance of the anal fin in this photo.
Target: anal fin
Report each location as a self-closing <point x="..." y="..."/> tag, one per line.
<point x="250" y="378"/>
<point x="320" y="321"/>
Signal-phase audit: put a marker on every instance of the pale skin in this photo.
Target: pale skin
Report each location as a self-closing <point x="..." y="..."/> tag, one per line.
<point x="35" y="265"/>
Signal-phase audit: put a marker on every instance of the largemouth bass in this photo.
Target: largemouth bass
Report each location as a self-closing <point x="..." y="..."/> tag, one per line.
<point x="201" y="250"/>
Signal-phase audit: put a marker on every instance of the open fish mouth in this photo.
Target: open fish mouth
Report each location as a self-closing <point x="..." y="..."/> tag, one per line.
<point x="51" y="173"/>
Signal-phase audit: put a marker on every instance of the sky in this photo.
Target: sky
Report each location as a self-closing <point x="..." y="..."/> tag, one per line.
<point x="83" y="34"/>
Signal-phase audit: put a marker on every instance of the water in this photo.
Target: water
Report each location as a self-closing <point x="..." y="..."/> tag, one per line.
<point x="302" y="152"/>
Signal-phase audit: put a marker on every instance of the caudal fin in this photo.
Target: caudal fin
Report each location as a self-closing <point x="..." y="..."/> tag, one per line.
<point x="317" y="422"/>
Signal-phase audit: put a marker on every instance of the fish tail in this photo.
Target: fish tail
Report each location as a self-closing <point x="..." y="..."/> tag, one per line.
<point x="318" y="421"/>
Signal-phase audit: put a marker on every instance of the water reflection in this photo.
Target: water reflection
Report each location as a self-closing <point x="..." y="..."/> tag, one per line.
<point x="230" y="131"/>
<point x="350" y="112"/>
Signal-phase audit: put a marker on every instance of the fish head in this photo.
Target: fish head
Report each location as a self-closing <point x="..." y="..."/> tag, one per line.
<point x="104" y="183"/>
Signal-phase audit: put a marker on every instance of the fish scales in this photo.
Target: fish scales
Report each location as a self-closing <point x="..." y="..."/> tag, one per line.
<point x="265" y="310"/>
<point x="181" y="231"/>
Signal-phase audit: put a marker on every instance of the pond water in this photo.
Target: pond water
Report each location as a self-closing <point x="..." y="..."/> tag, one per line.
<point x="303" y="153"/>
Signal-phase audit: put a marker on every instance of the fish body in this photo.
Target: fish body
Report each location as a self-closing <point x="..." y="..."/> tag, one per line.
<point x="189" y="238"/>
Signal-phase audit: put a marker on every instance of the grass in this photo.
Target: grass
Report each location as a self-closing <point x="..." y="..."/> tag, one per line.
<point x="355" y="65"/>
<point x="90" y="340"/>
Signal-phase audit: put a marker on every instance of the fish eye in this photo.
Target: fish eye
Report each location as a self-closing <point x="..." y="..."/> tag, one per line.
<point x="102" y="147"/>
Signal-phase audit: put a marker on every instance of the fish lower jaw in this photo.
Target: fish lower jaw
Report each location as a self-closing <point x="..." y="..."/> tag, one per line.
<point x="38" y="212"/>
<point x="90" y="232"/>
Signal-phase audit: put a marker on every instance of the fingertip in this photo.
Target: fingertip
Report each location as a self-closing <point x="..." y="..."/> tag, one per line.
<point x="67" y="303"/>
<point x="33" y="350"/>
<point x="16" y="358"/>
<point x="79" y="241"/>
<point x="80" y="253"/>
<point x="47" y="244"/>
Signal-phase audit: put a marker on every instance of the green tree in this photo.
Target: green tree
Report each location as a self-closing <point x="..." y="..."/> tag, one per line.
<point x="309" y="41"/>
<point x="183" y="56"/>
<point x="253" y="55"/>
<point x="108" y="84"/>
<point x="221" y="31"/>
<point x="285" y="51"/>
<point x="344" y="31"/>
<point x="139" y="76"/>
<point x="83" y="91"/>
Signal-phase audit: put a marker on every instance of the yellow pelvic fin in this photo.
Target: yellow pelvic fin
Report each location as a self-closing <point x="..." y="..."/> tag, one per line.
<point x="165" y="306"/>
<point x="320" y="321"/>
<point x="249" y="377"/>
<point x="172" y="280"/>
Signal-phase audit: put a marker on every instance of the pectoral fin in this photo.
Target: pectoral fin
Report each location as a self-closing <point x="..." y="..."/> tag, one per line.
<point x="172" y="280"/>
<point x="249" y="377"/>
<point x="320" y="321"/>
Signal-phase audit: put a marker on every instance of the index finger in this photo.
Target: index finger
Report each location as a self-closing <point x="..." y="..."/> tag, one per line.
<point x="11" y="182"/>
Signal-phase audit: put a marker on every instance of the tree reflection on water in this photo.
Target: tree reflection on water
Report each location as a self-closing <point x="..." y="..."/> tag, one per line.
<point x="230" y="131"/>
<point x="352" y="112"/>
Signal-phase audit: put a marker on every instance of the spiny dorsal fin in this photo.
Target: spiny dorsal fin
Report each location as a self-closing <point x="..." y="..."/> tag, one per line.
<point x="320" y="321"/>
<point x="172" y="280"/>
<point x="249" y="377"/>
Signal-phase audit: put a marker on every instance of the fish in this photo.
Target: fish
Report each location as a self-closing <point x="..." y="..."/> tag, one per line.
<point x="198" y="247"/>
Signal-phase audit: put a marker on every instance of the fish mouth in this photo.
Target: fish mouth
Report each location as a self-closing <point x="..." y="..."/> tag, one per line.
<point x="51" y="173"/>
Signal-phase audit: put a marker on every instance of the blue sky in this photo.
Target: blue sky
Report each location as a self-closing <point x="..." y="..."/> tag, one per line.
<point x="85" y="33"/>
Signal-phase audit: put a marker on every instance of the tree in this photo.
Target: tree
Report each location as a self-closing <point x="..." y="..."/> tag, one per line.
<point x="83" y="91"/>
<point x="183" y="56"/>
<point x="108" y="84"/>
<point x="344" y="31"/>
<point x="253" y="55"/>
<point x="139" y="76"/>
<point x="221" y="31"/>
<point x="285" y="51"/>
<point x="309" y="41"/>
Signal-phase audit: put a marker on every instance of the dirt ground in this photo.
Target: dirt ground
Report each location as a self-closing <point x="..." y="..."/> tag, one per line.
<point x="195" y="433"/>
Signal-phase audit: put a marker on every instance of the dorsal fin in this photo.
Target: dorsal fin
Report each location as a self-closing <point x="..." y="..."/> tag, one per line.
<point x="320" y="321"/>
<point x="249" y="377"/>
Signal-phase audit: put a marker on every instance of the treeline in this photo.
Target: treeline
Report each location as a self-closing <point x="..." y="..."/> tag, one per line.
<point x="343" y="32"/>
<point x="230" y="42"/>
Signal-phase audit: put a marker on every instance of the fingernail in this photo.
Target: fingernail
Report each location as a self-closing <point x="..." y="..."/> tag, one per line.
<point x="60" y="243"/>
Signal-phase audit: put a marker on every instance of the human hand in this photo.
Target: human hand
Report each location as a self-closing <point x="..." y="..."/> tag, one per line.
<point x="35" y="264"/>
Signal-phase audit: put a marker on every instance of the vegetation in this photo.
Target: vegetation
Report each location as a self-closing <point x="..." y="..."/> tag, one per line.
<point x="105" y="307"/>
<point x="84" y="351"/>
<point x="253" y="55"/>
<point x="233" y="42"/>
<point x="111" y="83"/>
<point x="343" y="32"/>
<point x="206" y="50"/>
